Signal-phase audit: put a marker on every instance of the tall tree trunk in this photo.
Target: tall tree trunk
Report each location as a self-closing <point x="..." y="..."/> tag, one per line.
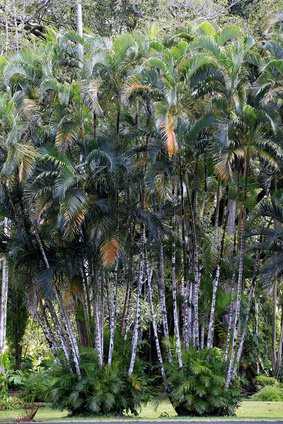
<point x="232" y="206"/>
<point x="79" y="19"/>
<point x="202" y="336"/>
<point x="138" y="309"/>
<point x="98" y="323"/>
<point x="244" y="331"/>
<point x="112" y="316"/>
<point x="215" y="285"/>
<point x="149" y="276"/>
<point x="280" y="349"/>
<point x="257" y="337"/>
<point x="162" y="299"/>
<point x="175" y="306"/>
<point x="3" y="303"/>
<point x="238" y="298"/>
<point x="230" y="323"/>
<point x="126" y="307"/>
<point x="210" y="334"/>
<point x="64" y="316"/>
<point x="72" y="338"/>
<point x="274" y="324"/>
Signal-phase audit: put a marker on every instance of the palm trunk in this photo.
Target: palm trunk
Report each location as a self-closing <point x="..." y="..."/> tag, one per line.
<point x="215" y="285"/>
<point x="190" y="315"/>
<point x="98" y="324"/>
<point x="232" y="205"/>
<point x="138" y="309"/>
<point x="274" y="323"/>
<point x="70" y="332"/>
<point x="257" y="338"/>
<point x="41" y="318"/>
<point x="58" y="329"/>
<point x="149" y="276"/>
<point x="202" y="336"/>
<point x="64" y="315"/>
<point x="127" y="300"/>
<point x="210" y="334"/>
<point x="184" y="259"/>
<point x="230" y="323"/>
<point x="3" y="304"/>
<point x="175" y="307"/>
<point x="280" y="349"/>
<point x="112" y="317"/>
<point x="244" y="331"/>
<point x="230" y="371"/>
<point x="79" y="19"/>
<point x="162" y="299"/>
<point x="195" y="304"/>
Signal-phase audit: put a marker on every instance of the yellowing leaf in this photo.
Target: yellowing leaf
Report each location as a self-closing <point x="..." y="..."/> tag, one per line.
<point x="109" y="252"/>
<point x="168" y="132"/>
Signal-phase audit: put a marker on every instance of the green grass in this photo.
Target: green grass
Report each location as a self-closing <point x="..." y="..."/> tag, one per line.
<point x="248" y="409"/>
<point x="258" y="409"/>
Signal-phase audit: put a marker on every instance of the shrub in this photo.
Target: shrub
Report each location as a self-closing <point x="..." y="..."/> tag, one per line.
<point x="269" y="394"/>
<point x="264" y="380"/>
<point x="11" y="402"/>
<point x="99" y="391"/>
<point x="36" y="386"/>
<point x="198" y="388"/>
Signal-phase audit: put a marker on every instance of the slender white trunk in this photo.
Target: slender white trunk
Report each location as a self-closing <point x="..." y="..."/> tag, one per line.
<point x="185" y="313"/>
<point x="70" y="333"/>
<point x="162" y="299"/>
<point x="51" y="335"/>
<point x="232" y="205"/>
<point x="244" y="332"/>
<point x="58" y="329"/>
<point x="112" y="316"/>
<point x="175" y="308"/>
<point x="210" y="334"/>
<point x="3" y="303"/>
<point x="230" y="371"/>
<point x="257" y="337"/>
<point x="79" y="16"/>
<point x="202" y="335"/>
<point x="154" y="324"/>
<point x="195" y="303"/>
<point x="98" y="323"/>
<point x="190" y="315"/>
<point x="230" y="322"/>
<point x="137" y="316"/>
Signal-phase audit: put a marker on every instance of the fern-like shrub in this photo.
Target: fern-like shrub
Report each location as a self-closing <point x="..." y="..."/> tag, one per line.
<point x="100" y="391"/>
<point x="269" y="394"/>
<point x="198" y="388"/>
<point x="11" y="403"/>
<point x="264" y="380"/>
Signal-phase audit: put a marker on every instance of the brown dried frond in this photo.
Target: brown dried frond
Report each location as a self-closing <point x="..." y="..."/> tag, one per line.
<point x="109" y="252"/>
<point x="168" y="133"/>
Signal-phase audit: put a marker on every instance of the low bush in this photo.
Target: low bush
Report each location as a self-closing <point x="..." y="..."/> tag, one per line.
<point x="198" y="388"/>
<point x="269" y="394"/>
<point x="11" y="402"/>
<point x="103" y="390"/>
<point x="264" y="380"/>
<point x="36" y="386"/>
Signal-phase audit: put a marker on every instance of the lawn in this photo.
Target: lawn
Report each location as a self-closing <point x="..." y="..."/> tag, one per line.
<point x="248" y="409"/>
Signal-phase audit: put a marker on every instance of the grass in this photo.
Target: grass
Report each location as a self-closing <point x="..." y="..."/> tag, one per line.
<point x="258" y="409"/>
<point x="248" y="409"/>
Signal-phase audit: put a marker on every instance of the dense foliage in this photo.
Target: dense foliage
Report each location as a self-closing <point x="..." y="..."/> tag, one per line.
<point x="99" y="391"/>
<point x="199" y="387"/>
<point x="141" y="198"/>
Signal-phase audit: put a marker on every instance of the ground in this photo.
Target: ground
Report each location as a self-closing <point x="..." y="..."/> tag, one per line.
<point x="248" y="409"/>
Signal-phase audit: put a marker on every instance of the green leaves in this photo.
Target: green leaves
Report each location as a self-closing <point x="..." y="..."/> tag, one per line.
<point x="198" y="388"/>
